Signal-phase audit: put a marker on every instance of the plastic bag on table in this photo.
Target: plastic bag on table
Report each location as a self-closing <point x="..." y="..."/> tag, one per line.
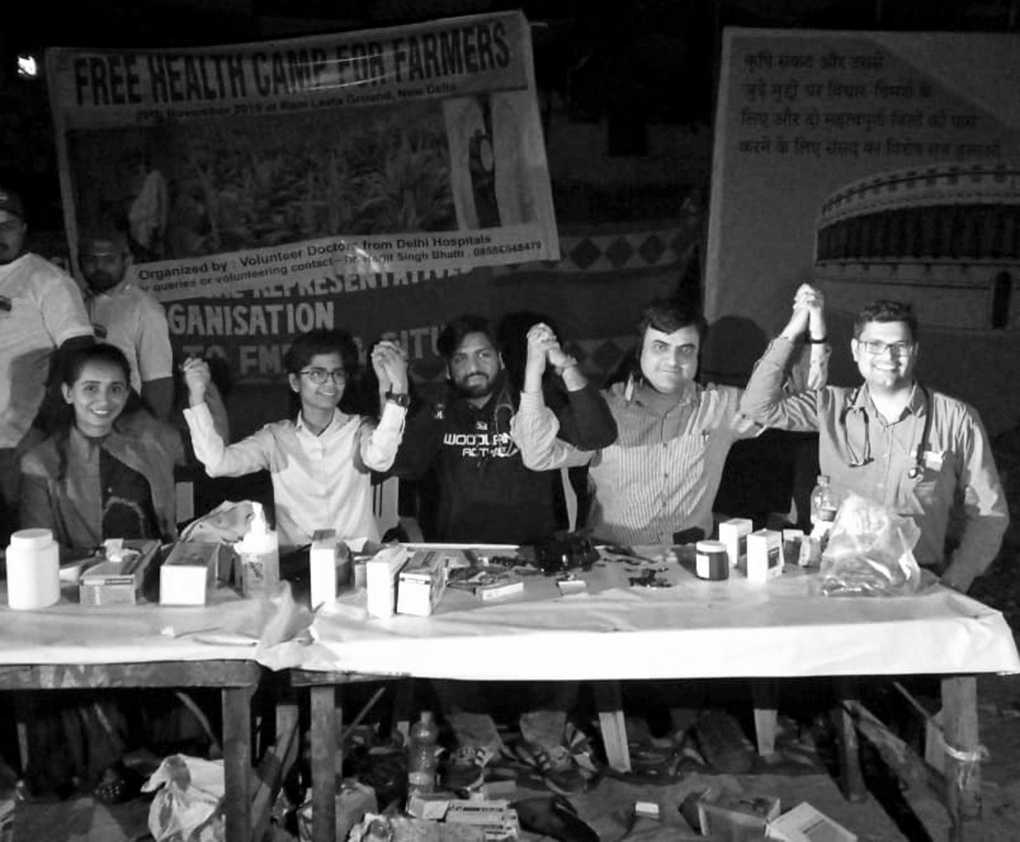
<point x="226" y="524"/>
<point x="870" y="552"/>
<point x="188" y="806"/>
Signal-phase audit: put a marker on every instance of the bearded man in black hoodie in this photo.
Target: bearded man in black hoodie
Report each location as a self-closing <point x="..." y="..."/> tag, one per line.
<point x="486" y="495"/>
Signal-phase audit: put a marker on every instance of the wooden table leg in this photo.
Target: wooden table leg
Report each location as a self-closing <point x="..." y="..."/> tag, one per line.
<point x="274" y="767"/>
<point x="850" y="776"/>
<point x="765" y="697"/>
<point x="612" y="724"/>
<point x="963" y="762"/>
<point x="323" y="736"/>
<point x="236" y="702"/>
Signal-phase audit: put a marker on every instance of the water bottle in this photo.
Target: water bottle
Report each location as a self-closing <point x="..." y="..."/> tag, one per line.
<point x="421" y="756"/>
<point x="823" y="505"/>
<point x="823" y="513"/>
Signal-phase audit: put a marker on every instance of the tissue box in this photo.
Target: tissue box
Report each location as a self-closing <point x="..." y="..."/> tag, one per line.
<point x="117" y="581"/>
<point x="764" y="555"/>
<point x="188" y="573"/>
<point x="806" y="824"/>
<point x="736" y="818"/>
<point x="733" y="533"/>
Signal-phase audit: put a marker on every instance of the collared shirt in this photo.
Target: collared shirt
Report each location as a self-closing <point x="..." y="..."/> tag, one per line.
<point x="863" y="453"/>
<point x="662" y="473"/>
<point x="45" y="310"/>
<point x="319" y="481"/>
<point x="134" y="321"/>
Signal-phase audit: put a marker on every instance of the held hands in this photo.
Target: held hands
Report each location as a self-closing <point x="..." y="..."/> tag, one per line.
<point x="197" y="377"/>
<point x="543" y="348"/>
<point x="389" y="362"/>
<point x="808" y="314"/>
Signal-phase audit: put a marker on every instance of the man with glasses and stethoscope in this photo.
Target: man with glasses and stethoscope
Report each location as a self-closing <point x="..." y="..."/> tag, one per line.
<point x="891" y="439"/>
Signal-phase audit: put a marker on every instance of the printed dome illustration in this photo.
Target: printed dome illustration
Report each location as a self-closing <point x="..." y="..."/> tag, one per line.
<point x="945" y="237"/>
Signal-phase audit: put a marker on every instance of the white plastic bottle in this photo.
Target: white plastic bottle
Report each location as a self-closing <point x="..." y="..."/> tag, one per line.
<point x="259" y="553"/>
<point x="33" y="570"/>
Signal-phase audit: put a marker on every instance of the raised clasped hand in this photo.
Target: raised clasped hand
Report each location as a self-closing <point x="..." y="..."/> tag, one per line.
<point x="197" y="377"/>
<point x="389" y="361"/>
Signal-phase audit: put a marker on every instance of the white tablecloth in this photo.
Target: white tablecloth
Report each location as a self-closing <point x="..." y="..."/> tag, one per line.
<point x="69" y="633"/>
<point x="693" y="629"/>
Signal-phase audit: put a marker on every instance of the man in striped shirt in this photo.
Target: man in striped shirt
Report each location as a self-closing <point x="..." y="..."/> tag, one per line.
<point x="661" y="475"/>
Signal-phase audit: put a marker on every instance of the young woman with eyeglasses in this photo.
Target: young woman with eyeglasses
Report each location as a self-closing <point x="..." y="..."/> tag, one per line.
<point x="321" y="461"/>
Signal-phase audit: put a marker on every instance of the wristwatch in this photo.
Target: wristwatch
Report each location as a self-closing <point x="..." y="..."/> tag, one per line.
<point x="399" y="398"/>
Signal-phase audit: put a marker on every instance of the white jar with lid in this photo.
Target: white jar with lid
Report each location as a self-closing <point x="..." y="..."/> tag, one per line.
<point x="33" y="569"/>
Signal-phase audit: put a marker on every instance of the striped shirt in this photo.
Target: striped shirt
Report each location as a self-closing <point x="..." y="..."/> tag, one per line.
<point x="662" y="474"/>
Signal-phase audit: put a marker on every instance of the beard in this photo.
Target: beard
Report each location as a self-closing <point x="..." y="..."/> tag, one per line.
<point x="102" y="281"/>
<point x="476" y="385"/>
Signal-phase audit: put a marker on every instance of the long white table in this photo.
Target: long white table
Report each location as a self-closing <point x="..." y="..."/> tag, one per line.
<point x="691" y="629"/>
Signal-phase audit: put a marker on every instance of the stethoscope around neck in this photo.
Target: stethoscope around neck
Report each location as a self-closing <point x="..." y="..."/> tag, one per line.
<point x="859" y="460"/>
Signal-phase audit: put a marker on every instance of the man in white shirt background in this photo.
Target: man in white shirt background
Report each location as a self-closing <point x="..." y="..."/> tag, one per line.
<point x="41" y="310"/>
<point x="125" y="315"/>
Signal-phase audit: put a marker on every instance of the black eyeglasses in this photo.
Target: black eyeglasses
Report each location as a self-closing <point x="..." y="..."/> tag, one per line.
<point x="320" y="375"/>
<point x="877" y="348"/>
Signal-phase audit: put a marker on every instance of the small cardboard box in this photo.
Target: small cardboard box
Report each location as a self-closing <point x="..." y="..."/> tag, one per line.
<point x="188" y="573"/>
<point x="806" y="824"/>
<point x="497" y="818"/>
<point x="353" y="801"/>
<point x="329" y="567"/>
<point x="764" y="555"/>
<point x="733" y="533"/>
<point x="422" y="581"/>
<point x="736" y="818"/>
<point x="381" y="581"/>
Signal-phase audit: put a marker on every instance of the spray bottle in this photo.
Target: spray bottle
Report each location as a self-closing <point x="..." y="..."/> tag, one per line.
<point x="259" y="554"/>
